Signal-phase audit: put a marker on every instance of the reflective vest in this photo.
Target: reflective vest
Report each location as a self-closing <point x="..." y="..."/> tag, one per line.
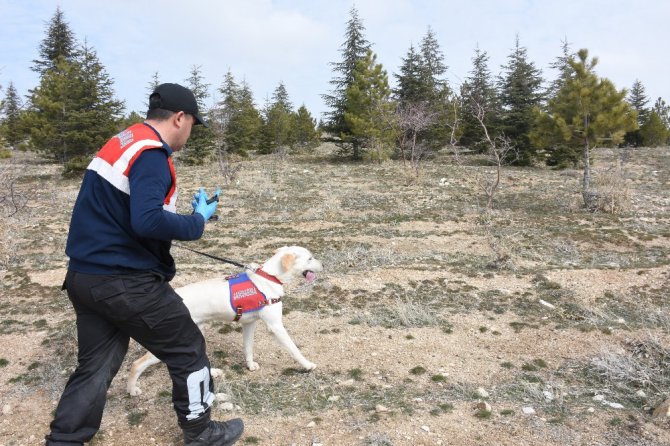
<point x="114" y="161"/>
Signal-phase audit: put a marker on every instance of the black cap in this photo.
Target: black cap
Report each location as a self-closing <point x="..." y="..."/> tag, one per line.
<point x="175" y="98"/>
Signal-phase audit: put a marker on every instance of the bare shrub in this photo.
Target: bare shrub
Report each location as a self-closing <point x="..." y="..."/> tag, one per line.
<point x="645" y="364"/>
<point x="360" y="257"/>
<point x="403" y="313"/>
<point x="499" y="153"/>
<point x="611" y="193"/>
<point x="11" y="201"/>
<point x="412" y="119"/>
<point x="412" y="314"/>
<point x="229" y="169"/>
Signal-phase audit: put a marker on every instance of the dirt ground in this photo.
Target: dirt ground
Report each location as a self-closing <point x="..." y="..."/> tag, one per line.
<point x="428" y="306"/>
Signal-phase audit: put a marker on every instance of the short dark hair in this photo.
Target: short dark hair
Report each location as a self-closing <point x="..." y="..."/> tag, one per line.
<point x="159" y="114"/>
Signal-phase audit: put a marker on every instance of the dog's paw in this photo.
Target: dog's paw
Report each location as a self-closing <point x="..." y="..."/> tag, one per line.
<point x="216" y="373"/>
<point x="135" y="391"/>
<point x="309" y="366"/>
<point x="253" y="366"/>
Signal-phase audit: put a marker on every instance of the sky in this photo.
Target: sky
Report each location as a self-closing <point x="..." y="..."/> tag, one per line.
<point x="265" y="42"/>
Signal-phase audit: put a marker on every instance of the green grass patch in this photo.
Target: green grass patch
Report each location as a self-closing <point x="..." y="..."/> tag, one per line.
<point x="418" y="370"/>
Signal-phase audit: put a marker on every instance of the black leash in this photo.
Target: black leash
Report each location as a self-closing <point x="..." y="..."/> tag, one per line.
<point x="220" y="259"/>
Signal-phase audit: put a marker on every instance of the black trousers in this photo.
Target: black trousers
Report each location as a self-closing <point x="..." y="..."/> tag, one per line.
<point x="111" y="310"/>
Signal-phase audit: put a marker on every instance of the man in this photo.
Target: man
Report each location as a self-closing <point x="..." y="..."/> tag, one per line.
<point x="121" y="230"/>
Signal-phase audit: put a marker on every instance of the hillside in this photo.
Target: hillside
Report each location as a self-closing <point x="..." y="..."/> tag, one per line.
<point x="427" y="306"/>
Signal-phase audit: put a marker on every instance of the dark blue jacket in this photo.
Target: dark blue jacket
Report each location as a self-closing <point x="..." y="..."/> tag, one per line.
<point x="116" y="231"/>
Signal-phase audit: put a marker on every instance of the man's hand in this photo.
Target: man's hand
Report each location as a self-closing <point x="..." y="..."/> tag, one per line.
<point x="204" y="205"/>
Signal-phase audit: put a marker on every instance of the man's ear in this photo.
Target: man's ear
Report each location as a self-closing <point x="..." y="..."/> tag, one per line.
<point x="179" y="118"/>
<point x="287" y="261"/>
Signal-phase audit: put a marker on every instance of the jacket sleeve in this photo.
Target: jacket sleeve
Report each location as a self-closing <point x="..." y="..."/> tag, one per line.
<point x="150" y="180"/>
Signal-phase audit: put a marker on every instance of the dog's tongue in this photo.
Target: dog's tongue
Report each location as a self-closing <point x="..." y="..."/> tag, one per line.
<point x="310" y="276"/>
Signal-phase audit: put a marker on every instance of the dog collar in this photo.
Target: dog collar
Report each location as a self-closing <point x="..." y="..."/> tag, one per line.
<point x="265" y="275"/>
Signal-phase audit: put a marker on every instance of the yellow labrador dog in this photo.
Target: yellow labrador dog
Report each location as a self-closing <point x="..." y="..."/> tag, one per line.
<point x="247" y="297"/>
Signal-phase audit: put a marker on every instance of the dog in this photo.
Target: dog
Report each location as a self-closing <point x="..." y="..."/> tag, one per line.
<point x="217" y="299"/>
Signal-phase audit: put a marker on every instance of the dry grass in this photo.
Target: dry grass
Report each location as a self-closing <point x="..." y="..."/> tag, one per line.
<point x="641" y="364"/>
<point x="424" y="299"/>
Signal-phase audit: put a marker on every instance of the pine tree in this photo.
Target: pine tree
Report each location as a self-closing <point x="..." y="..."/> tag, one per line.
<point x="59" y="42"/>
<point x="562" y="65"/>
<point x="243" y="131"/>
<point x="410" y="88"/>
<point x="151" y="87"/>
<point x="438" y="103"/>
<point x="423" y="90"/>
<point x="11" y="128"/>
<point x="638" y="100"/>
<point x="354" y="48"/>
<point x="73" y="110"/>
<point x="432" y="67"/>
<point x="586" y="110"/>
<point x="654" y="132"/>
<point x="304" y="130"/>
<point x="132" y="118"/>
<point x="479" y="94"/>
<point x="200" y="145"/>
<point x="277" y="126"/>
<point x="368" y="108"/>
<point x="663" y="111"/>
<point x="227" y="106"/>
<point x="520" y="90"/>
<point x="100" y="112"/>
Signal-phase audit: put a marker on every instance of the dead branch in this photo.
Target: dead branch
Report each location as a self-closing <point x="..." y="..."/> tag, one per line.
<point x="412" y="119"/>
<point x="11" y="201"/>
<point x="500" y="152"/>
<point x="227" y="167"/>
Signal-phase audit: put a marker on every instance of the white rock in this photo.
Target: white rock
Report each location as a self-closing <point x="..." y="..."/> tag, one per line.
<point x="548" y="395"/>
<point x="222" y="397"/>
<point x="333" y="398"/>
<point x="311" y="424"/>
<point x="425" y="428"/>
<point x="547" y="304"/>
<point x="641" y="394"/>
<point x="599" y="398"/>
<point x="615" y="405"/>
<point x="482" y="393"/>
<point x="349" y="382"/>
<point x="590" y="410"/>
<point x="484" y="407"/>
<point x="527" y="410"/>
<point x="6" y="409"/>
<point x="227" y="406"/>
<point x="381" y="408"/>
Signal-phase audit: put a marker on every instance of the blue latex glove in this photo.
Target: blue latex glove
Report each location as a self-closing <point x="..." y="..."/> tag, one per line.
<point x="203" y="205"/>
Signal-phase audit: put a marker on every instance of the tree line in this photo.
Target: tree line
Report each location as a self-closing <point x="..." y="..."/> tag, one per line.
<point x="73" y="110"/>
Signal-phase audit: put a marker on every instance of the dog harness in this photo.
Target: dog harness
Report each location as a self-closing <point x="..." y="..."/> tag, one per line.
<point x="245" y="297"/>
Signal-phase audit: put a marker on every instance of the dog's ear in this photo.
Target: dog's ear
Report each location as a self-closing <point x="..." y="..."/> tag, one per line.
<point x="287" y="261"/>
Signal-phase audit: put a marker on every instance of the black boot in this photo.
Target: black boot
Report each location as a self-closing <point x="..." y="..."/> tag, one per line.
<point x="213" y="433"/>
